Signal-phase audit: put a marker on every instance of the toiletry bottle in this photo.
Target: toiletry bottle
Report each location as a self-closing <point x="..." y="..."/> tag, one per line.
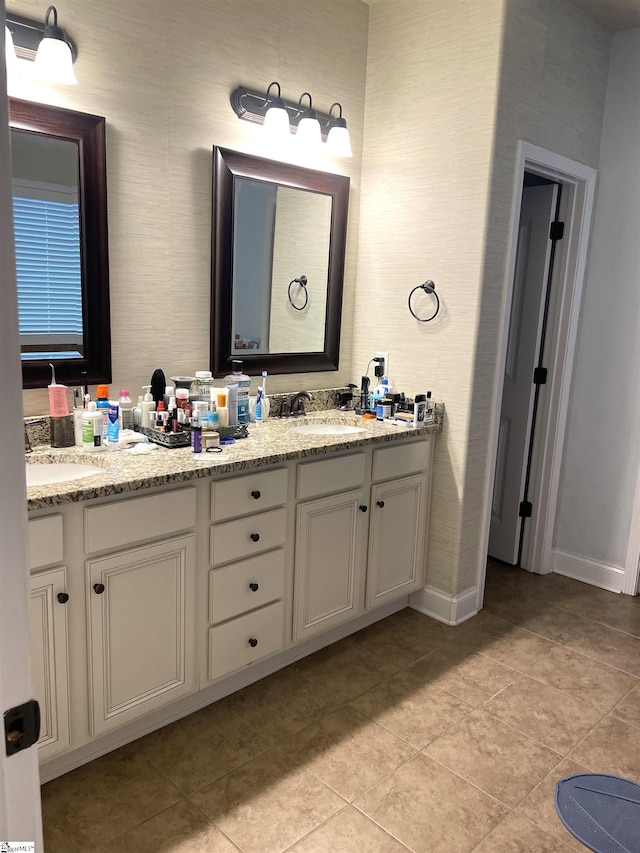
<point x="243" y="382"/>
<point x="92" y="429"/>
<point x="102" y="405"/>
<point x="169" y="392"/>
<point x="232" y="403"/>
<point x="223" y="411"/>
<point x="196" y="433"/>
<point x="113" y="425"/>
<point x="419" y="407"/>
<point x="78" y="409"/>
<point x="201" y="385"/>
<point x="182" y="397"/>
<point x="125" y="404"/>
<point x="148" y="405"/>
<point x="137" y="412"/>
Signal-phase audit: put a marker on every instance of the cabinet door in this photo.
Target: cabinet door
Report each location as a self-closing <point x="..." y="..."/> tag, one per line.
<point x="330" y="561"/>
<point x="141" y="630"/>
<point x="396" y="539"/>
<point x="49" y="665"/>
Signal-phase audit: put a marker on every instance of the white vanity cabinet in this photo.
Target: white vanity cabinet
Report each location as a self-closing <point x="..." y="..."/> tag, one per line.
<point x="48" y="634"/>
<point x="247" y="578"/>
<point x="140" y="606"/>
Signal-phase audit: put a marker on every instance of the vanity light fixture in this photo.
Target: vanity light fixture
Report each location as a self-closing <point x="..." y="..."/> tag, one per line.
<point x="251" y="105"/>
<point x="47" y="45"/>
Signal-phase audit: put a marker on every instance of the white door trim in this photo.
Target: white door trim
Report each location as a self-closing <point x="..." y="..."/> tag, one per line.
<point x="19" y="779"/>
<point x="632" y="559"/>
<point x="579" y="183"/>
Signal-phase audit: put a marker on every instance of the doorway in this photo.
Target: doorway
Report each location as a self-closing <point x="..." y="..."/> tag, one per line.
<point x="574" y="183"/>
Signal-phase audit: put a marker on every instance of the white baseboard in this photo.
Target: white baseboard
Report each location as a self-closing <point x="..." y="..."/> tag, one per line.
<point x="450" y="609"/>
<point x="588" y="571"/>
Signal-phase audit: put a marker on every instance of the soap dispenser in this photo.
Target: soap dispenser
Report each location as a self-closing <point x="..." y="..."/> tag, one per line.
<point x="148" y="405"/>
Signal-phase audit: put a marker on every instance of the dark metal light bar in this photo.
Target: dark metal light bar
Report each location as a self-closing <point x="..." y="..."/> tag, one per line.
<point x="251" y="106"/>
<point x="27" y="35"/>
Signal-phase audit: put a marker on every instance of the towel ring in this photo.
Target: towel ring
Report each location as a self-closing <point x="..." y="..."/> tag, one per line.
<point x="302" y="281"/>
<point x="428" y="287"/>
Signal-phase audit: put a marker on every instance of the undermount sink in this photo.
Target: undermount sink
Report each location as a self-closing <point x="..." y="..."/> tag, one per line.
<point x="326" y="429"/>
<point x="48" y="473"/>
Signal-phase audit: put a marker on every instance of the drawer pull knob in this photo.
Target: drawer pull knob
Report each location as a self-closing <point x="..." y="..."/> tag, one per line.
<point x="255" y="494"/>
<point x="255" y="537"/>
<point x="253" y="642"/>
<point x="98" y="588"/>
<point x="380" y="504"/>
<point x="363" y="508"/>
<point x="63" y="597"/>
<point x="254" y="587"/>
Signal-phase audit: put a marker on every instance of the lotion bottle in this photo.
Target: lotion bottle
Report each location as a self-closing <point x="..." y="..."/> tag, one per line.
<point x="148" y="405"/>
<point x="92" y="429"/>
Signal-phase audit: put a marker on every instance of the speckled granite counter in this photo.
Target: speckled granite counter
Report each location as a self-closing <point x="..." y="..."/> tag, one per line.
<point x="269" y="444"/>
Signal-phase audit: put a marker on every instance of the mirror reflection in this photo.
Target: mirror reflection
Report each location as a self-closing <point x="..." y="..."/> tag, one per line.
<point x="280" y="268"/>
<point x="47" y="244"/>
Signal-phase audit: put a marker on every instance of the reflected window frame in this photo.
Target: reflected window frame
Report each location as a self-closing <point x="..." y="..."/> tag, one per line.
<point x="89" y="134"/>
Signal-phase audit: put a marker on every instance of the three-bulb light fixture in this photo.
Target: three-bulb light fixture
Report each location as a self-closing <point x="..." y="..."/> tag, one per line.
<point x="47" y="45"/>
<point x="281" y="117"/>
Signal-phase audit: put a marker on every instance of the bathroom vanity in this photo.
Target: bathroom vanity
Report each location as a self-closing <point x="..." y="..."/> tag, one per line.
<point x="166" y="581"/>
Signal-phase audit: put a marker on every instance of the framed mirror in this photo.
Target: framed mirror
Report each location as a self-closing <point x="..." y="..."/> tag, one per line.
<point x="60" y="227"/>
<point x="278" y="244"/>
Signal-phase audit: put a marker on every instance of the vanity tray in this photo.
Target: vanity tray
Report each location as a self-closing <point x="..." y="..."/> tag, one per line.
<point x="166" y="439"/>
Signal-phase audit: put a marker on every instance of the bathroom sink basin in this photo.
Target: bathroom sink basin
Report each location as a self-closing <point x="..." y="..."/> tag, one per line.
<point x="47" y="473"/>
<point x="326" y="429"/>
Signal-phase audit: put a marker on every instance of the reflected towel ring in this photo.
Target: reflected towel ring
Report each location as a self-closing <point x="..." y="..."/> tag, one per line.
<point x="302" y="281"/>
<point x="428" y="287"/>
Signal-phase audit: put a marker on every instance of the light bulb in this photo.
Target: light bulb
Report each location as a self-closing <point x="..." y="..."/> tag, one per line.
<point x="339" y="142"/>
<point x="54" y="63"/>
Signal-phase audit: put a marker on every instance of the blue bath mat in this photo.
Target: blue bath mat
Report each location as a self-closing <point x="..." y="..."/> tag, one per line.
<point x="603" y="812"/>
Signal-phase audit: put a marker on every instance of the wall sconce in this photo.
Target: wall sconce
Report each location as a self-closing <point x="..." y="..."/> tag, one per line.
<point x="292" y="116"/>
<point x="50" y="48"/>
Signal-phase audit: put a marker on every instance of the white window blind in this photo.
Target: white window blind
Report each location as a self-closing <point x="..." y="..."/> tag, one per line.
<point x="47" y="242"/>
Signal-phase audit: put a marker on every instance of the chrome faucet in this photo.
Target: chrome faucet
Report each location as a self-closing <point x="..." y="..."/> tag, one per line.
<point x="296" y="404"/>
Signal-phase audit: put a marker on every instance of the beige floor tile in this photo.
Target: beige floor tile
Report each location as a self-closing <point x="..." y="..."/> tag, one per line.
<point x="179" y="829"/>
<point x="472" y="677"/>
<point x="349" y="832"/>
<point x="541" y="617"/>
<point x="431" y="809"/>
<point x="612" y="747"/>
<point x="516" y="834"/>
<point x="610" y="608"/>
<point x="202" y="747"/>
<point x="94" y="803"/>
<point x="629" y="709"/>
<point x="417" y="712"/>
<point x="582" y="678"/>
<point x="348" y="751"/>
<point x="509" y="645"/>
<point x="608" y="646"/>
<point x="280" y="705"/>
<point x="346" y="669"/>
<point x="56" y="841"/>
<point x="402" y="638"/>
<point x="539" y="805"/>
<point x="550" y="716"/>
<point x="493" y="756"/>
<point x="268" y="804"/>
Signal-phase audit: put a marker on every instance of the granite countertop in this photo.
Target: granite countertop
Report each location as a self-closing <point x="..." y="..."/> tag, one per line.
<point x="269" y="444"/>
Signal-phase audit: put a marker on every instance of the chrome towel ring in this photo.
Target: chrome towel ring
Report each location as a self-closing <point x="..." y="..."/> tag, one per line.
<point x="428" y="287"/>
<point x="302" y="281"/>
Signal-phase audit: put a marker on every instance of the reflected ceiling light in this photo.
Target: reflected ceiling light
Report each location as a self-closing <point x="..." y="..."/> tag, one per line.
<point x="276" y="119"/>
<point x="47" y="45"/>
<point x="306" y="122"/>
<point x="308" y="134"/>
<point x="11" y="58"/>
<point x="338" y="140"/>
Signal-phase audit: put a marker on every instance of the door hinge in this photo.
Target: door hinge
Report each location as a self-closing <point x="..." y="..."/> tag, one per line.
<point x="556" y="232"/>
<point x="540" y="376"/>
<point x="21" y="726"/>
<point x="525" y="510"/>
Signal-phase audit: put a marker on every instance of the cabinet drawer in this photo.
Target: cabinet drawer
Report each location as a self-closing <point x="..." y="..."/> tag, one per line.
<point x="45" y="541"/>
<point x="401" y="459"/>
<point x="136" y="519"/>
<point x="253" y="493"/>
<point x="245" y="585"/>
<point x="330" y="475"/>
<point x="247" y="639"/>
<point x="247" y="536"/>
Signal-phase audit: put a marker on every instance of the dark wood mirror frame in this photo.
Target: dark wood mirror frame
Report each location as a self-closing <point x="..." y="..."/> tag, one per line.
<point x="227" y="166"/>
<point x="88" y="131"/>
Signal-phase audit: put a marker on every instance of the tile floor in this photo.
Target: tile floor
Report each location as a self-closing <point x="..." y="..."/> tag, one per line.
<point x="406" y="736"/>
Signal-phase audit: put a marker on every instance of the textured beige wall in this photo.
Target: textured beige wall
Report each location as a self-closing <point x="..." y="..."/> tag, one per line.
<point x="443" y="118"/>
<point x="164" y="113"/>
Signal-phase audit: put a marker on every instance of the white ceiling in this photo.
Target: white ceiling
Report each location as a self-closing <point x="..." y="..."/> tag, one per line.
<point x="613" y="14"/>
